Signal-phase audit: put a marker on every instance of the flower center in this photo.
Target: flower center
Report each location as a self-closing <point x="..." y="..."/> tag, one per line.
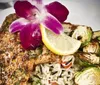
<point x="37" y="15"/>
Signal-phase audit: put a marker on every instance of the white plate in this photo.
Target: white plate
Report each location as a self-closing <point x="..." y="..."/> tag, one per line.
<point x="84" y="12"/>
<point x="4" y="13"/>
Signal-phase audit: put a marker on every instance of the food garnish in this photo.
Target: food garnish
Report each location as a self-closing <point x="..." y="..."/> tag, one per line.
<point x="58" y="13"/>
<point x="32" y="14"/>
<point x="59" y="44"/>
<point x="36" y="17"/>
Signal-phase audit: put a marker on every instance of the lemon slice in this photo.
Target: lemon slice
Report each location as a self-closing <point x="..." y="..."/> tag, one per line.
<point x="59" y="44"/>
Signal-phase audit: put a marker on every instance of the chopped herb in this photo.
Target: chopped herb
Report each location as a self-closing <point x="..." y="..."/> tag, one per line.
<point x="17" y="83"/>
<point x="99" y="38"/>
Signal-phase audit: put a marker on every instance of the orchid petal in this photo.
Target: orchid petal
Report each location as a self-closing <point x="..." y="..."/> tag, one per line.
<point x="51" y="23"/>
<point x="25" y="9"/>
<point x="30" y="36"/>
<point x="18" y="25"/>
<point x="58" y="10"/>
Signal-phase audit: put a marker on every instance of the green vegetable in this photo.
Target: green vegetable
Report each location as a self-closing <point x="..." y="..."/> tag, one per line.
<point x="67" y="28"/>
<point x="80" y="63"/>
<point x="96" y="34"/>
<point x="89" y="76"/>
<point x="88" y="58"/>
<point x="17" y="83"/>
<point x="35" y="80"/>
<point x="99" y="38"/>
<point x="92" y="47"/>
<point x="37" y="83"/>
<point x="83" y="33"/>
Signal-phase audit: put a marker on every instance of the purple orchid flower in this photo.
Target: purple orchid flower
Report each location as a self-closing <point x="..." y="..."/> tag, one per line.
<point x="33" y="13"/>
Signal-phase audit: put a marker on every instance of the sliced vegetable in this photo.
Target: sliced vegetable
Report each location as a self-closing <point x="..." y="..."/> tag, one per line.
<point x="89" y="58"/>
<point x="83" y="33"/>
<point x="92" y="47"/>
<point x="59" y="44"/>
<point x="67" y="28"/>
<point x="96" y="34"/>
<point x="90" y="76"/>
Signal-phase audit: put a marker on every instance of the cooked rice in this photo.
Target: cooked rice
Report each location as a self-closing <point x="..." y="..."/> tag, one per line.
<point x="53" y="72"/>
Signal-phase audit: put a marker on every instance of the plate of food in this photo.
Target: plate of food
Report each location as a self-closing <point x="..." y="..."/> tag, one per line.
<point x="55" y="43"/>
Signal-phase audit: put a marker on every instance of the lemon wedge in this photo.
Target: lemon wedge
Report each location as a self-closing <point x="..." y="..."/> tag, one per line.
<point x="59" y="44"/>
